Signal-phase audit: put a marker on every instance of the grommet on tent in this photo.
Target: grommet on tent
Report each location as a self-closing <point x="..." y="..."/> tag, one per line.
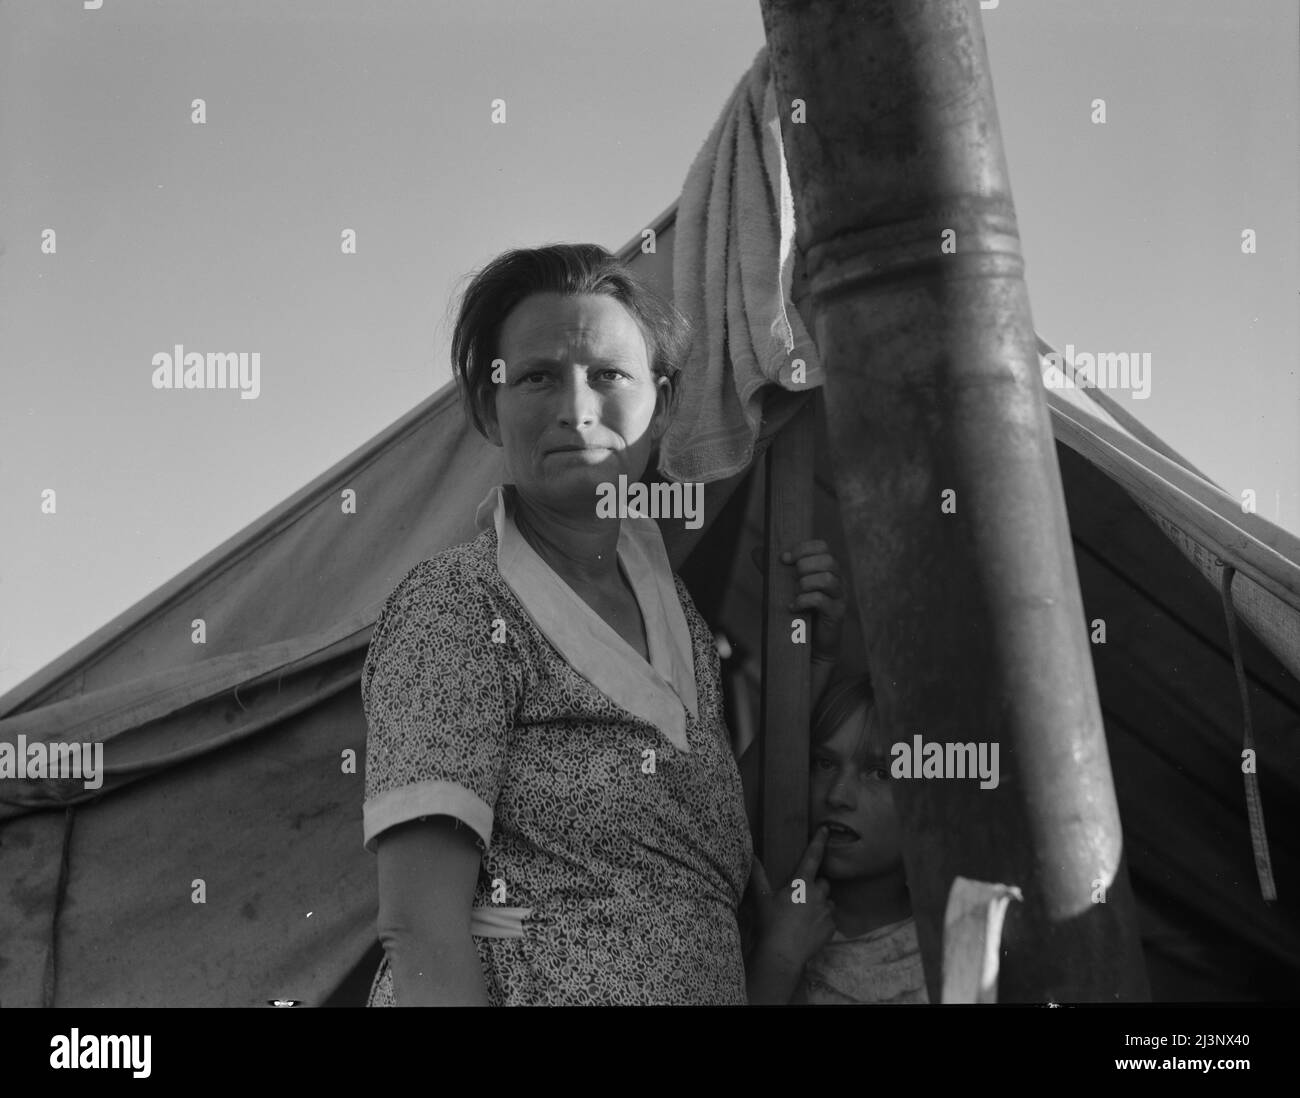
<point x="1254" y="803"/>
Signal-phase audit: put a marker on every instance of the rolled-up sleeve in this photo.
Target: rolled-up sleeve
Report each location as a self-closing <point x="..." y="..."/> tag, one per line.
<point x="438" y="693"/>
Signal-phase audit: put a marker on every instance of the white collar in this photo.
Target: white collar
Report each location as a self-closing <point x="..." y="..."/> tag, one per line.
<point x="660" y="692"/>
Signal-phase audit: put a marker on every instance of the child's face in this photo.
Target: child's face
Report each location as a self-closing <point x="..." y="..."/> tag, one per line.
<point x="850" y="790"/>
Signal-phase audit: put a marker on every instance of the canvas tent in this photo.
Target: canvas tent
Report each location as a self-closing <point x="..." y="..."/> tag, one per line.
<point x="228" y="765"/>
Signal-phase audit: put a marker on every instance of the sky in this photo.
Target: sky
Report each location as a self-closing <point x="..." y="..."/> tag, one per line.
<point x="377" y="117"/>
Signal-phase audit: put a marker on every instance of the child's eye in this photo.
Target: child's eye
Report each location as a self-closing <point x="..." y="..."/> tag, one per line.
<point x="876" y="774"/>
<point x="822" y="763"/>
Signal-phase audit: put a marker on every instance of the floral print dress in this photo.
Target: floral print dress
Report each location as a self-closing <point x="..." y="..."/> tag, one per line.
<point x="602" y="788"/>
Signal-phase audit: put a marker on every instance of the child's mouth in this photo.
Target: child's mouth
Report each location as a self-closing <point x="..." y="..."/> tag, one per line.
<point x="839" y="834"/>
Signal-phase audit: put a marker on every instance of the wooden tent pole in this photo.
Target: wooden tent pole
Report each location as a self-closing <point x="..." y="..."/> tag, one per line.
<point x="946" y="474"/>
<point x="783" y="723"/>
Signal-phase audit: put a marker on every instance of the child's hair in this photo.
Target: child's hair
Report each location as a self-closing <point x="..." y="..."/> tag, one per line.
<point x="841" y="698"/>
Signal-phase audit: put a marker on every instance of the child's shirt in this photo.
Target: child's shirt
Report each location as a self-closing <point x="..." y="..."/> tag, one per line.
<point x="880" y="966"/>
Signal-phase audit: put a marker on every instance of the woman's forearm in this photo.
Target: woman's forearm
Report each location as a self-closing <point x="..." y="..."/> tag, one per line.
<point x="432" y="973"/>
<point x="427" y="872"/>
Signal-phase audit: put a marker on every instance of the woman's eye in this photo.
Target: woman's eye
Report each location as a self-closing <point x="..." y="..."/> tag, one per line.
<point x="608" y="374"/>
<point x="824" y="764"/>
<point x="876" y="773"/>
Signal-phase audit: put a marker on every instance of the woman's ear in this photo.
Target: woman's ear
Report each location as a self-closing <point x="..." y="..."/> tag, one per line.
<point x="666" y="404"/>
<point x="487" y="415"/>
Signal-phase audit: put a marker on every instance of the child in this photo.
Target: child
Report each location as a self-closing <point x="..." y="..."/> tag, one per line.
<point x="853" y="939"/>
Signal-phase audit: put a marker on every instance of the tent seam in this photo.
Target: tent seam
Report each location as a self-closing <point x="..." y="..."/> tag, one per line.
<point x="1254" y="803"/>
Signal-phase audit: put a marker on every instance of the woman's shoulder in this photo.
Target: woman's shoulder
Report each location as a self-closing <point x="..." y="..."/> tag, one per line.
<point x="458" y="570"/>
<point x="440" y="605"/>
<point x="461" y="582"/>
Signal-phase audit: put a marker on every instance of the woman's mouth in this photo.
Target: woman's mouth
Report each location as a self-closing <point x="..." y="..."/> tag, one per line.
<point x="839" y="834"/>
<point x="581" y="451"/>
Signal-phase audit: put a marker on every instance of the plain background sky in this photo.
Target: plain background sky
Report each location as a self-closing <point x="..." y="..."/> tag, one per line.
<point x="376" y="117"/>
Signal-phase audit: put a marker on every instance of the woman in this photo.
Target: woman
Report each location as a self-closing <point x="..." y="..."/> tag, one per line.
<point x="549" y="784"/>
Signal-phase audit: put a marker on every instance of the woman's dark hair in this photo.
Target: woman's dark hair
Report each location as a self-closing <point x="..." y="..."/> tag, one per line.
<point x="841" y="698"/>
<point x="568" y="270"/>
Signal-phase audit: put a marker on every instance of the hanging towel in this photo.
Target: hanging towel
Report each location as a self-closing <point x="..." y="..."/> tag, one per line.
<point x="733" y="265"/>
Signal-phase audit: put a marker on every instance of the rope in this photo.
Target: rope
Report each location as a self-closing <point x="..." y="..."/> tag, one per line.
<point x="1254" y="805"/>
<point x="60" y="890"/>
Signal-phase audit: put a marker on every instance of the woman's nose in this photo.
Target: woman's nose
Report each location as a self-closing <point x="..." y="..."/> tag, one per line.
<point x="578" y="403"/>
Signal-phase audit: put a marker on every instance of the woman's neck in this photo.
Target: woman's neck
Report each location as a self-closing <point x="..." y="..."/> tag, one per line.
<point x="585" y="551"/>
<point x="865" y="903"/>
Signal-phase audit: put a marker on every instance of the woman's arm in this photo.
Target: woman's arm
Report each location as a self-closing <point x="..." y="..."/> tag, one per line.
<point x="428" y="869"/>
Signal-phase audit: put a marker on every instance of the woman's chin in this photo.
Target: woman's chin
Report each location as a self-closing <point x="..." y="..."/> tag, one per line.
<point x="574" y="490"/>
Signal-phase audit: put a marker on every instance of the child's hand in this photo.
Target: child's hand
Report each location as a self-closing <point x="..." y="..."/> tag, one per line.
<point x="821" y="591"/>
<point x="789" y="933"/>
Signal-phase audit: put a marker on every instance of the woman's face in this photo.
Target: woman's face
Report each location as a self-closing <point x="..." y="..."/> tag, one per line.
<point x="851" y="791"/>
<point x="579" y="404"/>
